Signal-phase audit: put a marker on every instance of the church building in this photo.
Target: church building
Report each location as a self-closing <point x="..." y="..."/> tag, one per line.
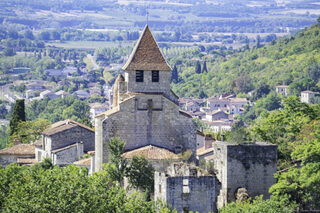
<point x="145" y="111"/>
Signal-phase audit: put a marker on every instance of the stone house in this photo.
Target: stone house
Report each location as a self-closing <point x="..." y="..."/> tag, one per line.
<point x="187" y="188"/>
<point x="145" y="110"/>
<point x="64" y="142"/>
<point x="220" y="125"/>
<point x="307" y="96"/>
<point x="19" y="153"/>
<point x="216" y="115"/>
<point x="81" y="94"/>
<point x="199" y="115"/>
<point x="48" y="94"/>
<point x="228" y="104"/>
<point x="282" y="89"/>
<point x="192" y="106"/>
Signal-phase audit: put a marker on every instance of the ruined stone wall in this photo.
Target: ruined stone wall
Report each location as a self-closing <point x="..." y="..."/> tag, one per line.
<point x="249" y="166"/>
<point x="147" y="120"/>
<point x="188" y="193"/>
<point x="147" y="85"/>
<point x="71" y="136"/>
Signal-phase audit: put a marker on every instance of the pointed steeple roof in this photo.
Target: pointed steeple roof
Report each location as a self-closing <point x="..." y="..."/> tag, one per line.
<point x="146" y="54"/>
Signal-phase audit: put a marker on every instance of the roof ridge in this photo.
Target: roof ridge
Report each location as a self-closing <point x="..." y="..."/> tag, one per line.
<point x="146" y="54"/>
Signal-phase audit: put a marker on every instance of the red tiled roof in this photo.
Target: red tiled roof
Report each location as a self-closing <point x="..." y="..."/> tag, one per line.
<point x="146" y="54"/>
<point x="151" y="152"/>
<point x="20" y="149"/>
<point x="83" y="162"/>
<point x="62" y="126"/>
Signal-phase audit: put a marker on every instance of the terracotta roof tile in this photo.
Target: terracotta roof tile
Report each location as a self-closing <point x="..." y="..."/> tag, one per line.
<point x="83" y="162"/>
<point x="146" y="55"/>
<point x="27" y="160"/>
<point x="151" y="152"/>
<point x="62" y="126"/>
<point x="20" y="149"/>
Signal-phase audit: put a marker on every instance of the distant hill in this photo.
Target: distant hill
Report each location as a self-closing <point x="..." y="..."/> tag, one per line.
<point x="293" y="61"/>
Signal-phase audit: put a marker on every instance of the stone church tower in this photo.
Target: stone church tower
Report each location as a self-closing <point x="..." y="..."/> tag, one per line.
<point x="145" y="110"/>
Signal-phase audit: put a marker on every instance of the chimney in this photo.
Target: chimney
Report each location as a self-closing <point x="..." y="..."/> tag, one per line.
<point x="16" y="141"/>
<point x="79" y="149"/>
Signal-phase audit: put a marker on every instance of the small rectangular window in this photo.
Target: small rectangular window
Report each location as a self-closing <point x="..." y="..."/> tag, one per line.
<point x="155" y="76"/>
<point x="139" y="75"/>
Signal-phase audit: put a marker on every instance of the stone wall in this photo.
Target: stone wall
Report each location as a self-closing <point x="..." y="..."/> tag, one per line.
<point x="69" y="137"/>
<point x="147" y="85"/>
<point x="146" y="120"/>
<point x="249" y="166"/>
<point x="68" y="156"/>
<point x="192" y="192"/>
<point x="5" y="160"/>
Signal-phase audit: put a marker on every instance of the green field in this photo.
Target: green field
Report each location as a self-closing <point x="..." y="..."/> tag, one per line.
<point x="89" y="44"/>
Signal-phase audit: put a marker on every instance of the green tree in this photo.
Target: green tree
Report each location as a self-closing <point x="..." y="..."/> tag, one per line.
<point x="198" y="67"/>
<point x="30" y="131"/>
<point x="283" y="126"/>
<point x="140" y="173"/>
<point x="204" y="68"/>
<point x="302" y="185"/>
<point x="174" y="75"/>
<point x="117" y="165"/>
<point x="17" y="116"/>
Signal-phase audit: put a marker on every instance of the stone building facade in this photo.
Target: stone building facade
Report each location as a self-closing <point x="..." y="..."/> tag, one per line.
<point x="17" y="153"/>
<point x="145" y="111"/>
<point x="186" y="188"/>
<point x="64" y="142"/>
<point x="249" y="166"/>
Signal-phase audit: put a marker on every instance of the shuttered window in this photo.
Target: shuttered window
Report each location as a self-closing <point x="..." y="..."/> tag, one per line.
<point x="139" y="75"/>
<point x="155" y="76"/>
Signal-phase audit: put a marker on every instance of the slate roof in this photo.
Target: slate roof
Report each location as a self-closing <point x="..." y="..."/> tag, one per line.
<point x="151" y="152"/>
<point x="20" y="149"/>
<point x="146" y="55"/>
<point x="62" y="126"/>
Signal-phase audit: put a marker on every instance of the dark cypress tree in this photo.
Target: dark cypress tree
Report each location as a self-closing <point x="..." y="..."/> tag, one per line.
<point x="204" y="68"/>
<point x="198" y="67"/>
<point x="17" y="116"/>
<point x="174" y="75"/>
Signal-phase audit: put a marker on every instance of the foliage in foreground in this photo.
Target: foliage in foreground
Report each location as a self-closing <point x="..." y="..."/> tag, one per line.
<point x="138" y="171"/>
<point x="43" y="189"/>
<point x="258" y="205"/>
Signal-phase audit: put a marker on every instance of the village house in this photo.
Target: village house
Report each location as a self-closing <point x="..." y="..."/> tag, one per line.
<point x="145" y="111"/>
<point x="55" y="73"/>
<point x="228" y="104"/>
<point x="308" y="96"/>
<point x="282" y="89"/>
<point x="64" y="142"/>
<point x="69" y="70"/>
<point x="220" y="126"/>
<point x="192" y="106"/>
<point x="81" y="94"/>
<point x="18" y="153"/>
<point x="48" y="94"/>
<point x="216" y="115"/>
<point x="61" y="94"/>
